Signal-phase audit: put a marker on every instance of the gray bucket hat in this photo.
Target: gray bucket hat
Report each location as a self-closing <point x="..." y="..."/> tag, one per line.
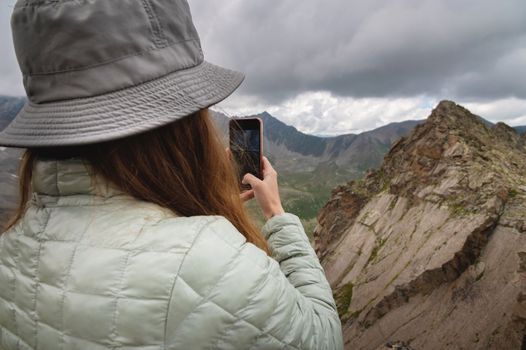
<point x="97" y="70"/>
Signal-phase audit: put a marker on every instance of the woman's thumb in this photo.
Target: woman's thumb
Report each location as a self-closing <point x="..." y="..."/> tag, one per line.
<point x="250" y="179"/>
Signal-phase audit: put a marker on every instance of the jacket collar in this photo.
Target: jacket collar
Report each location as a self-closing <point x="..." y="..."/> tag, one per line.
<point x="69" y="177"/>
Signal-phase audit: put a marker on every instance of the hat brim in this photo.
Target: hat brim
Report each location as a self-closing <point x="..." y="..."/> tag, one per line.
<point x="121" y="113"/>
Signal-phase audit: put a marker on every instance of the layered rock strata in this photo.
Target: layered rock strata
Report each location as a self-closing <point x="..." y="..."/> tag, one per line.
<point x="430" y="249"/>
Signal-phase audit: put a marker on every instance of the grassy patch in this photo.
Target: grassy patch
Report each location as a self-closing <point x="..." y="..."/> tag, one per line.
<point x="457" y="209"/>
<point x="343" y="299"/>
<point x="374" y="253"/>
<point x="393" y="203"/>
<point x="384" y="180"/>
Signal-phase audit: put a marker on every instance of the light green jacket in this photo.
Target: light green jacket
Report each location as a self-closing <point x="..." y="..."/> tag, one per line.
<point x="89" y="267"/>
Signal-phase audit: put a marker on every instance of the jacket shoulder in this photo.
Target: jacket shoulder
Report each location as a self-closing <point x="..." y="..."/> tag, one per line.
<point x="183" y="232"/>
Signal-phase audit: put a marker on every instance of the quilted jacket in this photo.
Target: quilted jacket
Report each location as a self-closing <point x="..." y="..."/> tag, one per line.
<point x="89" y="267"/>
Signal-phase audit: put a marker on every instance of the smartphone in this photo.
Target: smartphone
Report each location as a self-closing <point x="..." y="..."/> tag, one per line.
<point x="246" y="146"/>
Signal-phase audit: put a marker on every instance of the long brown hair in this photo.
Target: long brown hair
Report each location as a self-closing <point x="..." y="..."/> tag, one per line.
<point x="181" y="166"/>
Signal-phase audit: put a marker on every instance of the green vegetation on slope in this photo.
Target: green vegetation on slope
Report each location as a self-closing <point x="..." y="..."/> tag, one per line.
<point x="304" y="194"/>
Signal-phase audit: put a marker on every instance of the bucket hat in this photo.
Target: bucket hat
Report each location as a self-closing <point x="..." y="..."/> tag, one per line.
<point x="97" y="70"/>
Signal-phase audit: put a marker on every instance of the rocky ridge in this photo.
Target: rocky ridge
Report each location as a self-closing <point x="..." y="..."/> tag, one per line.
<point x="430" y="249"/>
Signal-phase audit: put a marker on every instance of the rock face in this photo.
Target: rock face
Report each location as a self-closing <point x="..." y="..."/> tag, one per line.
<point x="430" y="250"/>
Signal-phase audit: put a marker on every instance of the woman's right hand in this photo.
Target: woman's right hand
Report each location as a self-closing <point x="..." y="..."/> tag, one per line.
<point x="266" y="191"/>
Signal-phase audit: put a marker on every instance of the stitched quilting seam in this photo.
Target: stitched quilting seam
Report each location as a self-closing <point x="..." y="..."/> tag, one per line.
<point x="113" y="333"/>
<point x="201" y="230"/>
<point x="56" y="178"/>
<point x="37" y="271"/>
<point x="139" y="234"/>
<point x="18" y="340"/>
<point x="84" y="339"/>
<point x="63" y="299"/>
<point x="138" y="250"/>
<point x="112" y="296"/>
<point x="302" y="269"/>
<point x="66" y="280"/>
<point x="15" y="260"/>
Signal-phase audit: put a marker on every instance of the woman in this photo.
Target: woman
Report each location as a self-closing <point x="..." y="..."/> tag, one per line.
<point x="131" y="231"/>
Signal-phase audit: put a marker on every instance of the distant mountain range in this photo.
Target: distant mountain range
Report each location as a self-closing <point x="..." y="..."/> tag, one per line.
<point x="521" y="129"/>
<point x="9" y="107"/>
<point x="291" y="150"/>
<point x="309" y="166"/>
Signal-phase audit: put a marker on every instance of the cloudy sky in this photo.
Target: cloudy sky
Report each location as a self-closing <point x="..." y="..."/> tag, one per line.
<point x="338" y="66"/>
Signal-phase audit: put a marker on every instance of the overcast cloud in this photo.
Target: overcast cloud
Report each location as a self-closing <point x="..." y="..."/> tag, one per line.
<point x="338" y="66"/>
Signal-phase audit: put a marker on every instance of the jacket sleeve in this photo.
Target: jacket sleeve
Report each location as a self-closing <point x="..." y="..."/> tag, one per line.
<point x="278" y="302"/>
<point x="313" y="319"/>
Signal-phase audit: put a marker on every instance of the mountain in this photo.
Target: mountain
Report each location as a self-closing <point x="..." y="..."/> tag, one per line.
<point x="292" y="151"/>
<point x="429" y="250"/>
<point x="310" y="166"/>
<point x="9" y="158"/>
<point x="9" y="107"/>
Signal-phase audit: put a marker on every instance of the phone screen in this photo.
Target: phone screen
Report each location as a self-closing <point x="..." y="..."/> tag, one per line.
<point x="245" y="145"/>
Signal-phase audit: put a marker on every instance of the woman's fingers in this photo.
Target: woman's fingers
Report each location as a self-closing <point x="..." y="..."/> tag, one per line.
<point x="267" y="168"/>
<point x="266" y="191"/>
<point x="246" y="195"/>
<point x="228" y="153"/>
<point x="251" y="180"/>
